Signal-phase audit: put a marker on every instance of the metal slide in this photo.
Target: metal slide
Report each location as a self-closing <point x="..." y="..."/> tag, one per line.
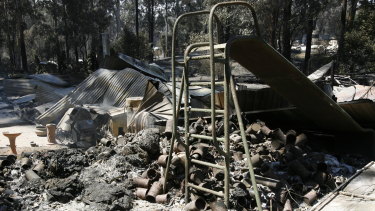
<point x="270" y="66"/>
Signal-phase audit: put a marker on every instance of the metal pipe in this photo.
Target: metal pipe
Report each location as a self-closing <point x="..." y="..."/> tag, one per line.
<point x="218" y="206"/>
<point x="310" y="197"/>
<point x="39" y="167"/>
<point x="152" y="174"/>
<point x="141" y="182"/>
<point x="235" y="100"/>
<point x="177" y="106"/>
<point x="197" y="152"/>
<point x="220" y="194"/>
<point x="186" y="123"/>
<point x="196" y="205"/>
<point x="162" y="160"/>
<point x="31" y="175"/>
<point x="156" y="189"/>
<point x="169" y="128"/>
<point x="105" y="142"/>
<point x="5" y="162"/>
<point x="250" y="165"/>
<point x="290" y="137"/>
<point x="25" y="163"/>
<point x="162" y="199"/>
<point x="197" y="177"/>
<point x="141" y="193"/>
<point x="51" y="133"/>
<point x="254" y="128"/>
<point x="301" y="139"/>
<point x="265" y="130"/>
<point x="12" y="158"/>
<point x="179" y="147"/>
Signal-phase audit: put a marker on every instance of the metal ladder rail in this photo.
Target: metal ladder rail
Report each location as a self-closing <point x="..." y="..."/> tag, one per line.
<point x="229" y="79"/>
<point x="213" y="82"/>
<point x="187" y="110"/>
<point x="174" y="63"/>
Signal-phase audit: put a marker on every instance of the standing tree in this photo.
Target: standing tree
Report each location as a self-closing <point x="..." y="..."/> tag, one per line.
<point x="286" y="38"/>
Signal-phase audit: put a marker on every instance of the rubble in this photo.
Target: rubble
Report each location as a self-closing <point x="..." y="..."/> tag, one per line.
<point x="97" y="178"/>
<point x="112" y="123"/>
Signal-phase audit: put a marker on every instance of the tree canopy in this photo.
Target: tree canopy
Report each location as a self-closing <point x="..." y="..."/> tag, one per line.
<point x="68" y="32"/>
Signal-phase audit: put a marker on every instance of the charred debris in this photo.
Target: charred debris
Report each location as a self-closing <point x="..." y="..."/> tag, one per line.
<point x="115" y="131"/>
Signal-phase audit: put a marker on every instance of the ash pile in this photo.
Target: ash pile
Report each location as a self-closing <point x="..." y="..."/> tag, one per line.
<point x="98" y="178"/>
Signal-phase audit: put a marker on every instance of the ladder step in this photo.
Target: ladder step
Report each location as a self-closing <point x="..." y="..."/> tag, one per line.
<point x="178" y="63"/>
<point x="207" y="48"/>
<point x="219" y="111"/>
<point x="203" y="163"/>
<point x="206" y="83"/>
<point x="220" y="194"/>
<point x="220" y="60"/>
<point x="200" y="57"/>
<point x="205" y="137"/>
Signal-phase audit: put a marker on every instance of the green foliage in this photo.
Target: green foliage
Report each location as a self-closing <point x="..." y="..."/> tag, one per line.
<point x="359" y="48"/>
<point x="131" y="45"/>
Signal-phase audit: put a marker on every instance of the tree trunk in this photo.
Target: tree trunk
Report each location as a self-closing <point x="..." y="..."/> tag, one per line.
<point x="286" y="29"/>
<point x="340" y="50"/>
<point x="309" y="31"/>
<point x="275" y="19"/>
<point x="166" y="29"/>
<point x="177" y="8"/>
<point x="76" y="53"/>
<point x="11" y="51"/>
<point x="353" y="10"/>
<point x="66" y="35"/>
<point x="118" y="19"/>
<point x="21" y="37"/>
<point x="136" y="18"/>
<point x="150" y="12"/>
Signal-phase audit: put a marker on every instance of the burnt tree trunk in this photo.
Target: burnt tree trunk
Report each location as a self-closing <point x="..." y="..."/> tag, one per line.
<point x="353" y="10"/>
<point x="117" y="16"/>
<point x="136" y="18"/>
<point x="275" y="20"/>
<point x="286" y="29"/>
<point x="340" y="50"/>
<point x="21" y="40"/>
<point x="177" y="8"/>
<point x="166" y="29"/>
<point x="309" y="31"/>
<point x="150" y="12"/>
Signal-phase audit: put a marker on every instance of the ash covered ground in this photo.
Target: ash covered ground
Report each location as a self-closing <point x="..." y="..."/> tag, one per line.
<point x="103" y="177"/>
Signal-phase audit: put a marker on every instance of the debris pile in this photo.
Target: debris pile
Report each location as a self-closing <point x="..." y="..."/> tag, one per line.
<point x="69" y="179"/>
<point x="289" y="173"/>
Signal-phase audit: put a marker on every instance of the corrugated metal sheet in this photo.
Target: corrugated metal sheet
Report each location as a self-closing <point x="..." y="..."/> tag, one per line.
<point x="156" y="105"/>
<point x="51" y="79"/>
<point x="363" y="111"/>
<point x="18" y="87"/>
<point x="319" y="73"/>
<point x="46" y="93"/>
<point x="122" y="61"/>
<point x="151" y="70"/>
<point x="106" y="87"/>
<point x="126" y="83"/>
<point x="355" y="92"/>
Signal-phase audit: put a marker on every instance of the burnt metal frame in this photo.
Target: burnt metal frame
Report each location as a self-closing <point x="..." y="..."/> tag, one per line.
<point x="229" y="85"/>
